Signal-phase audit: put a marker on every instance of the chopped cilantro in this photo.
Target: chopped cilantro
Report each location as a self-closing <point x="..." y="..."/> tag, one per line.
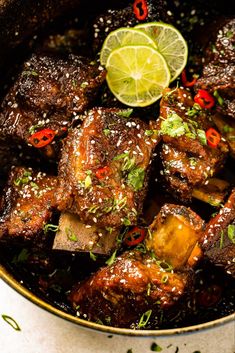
<point x="33" y="128"/>
<point x="155" y="347"/>
<point x="70" y="234"/>
<point x="173" y="126"/>
<point x="145" y="318"/>
<point x="11" y="322"/>
<point x="112" y="258"/>
<point x="219" y="98"/>
<point x="24" y="179"/>
<point x="125" y="112"/>
<point x="135" y="178"/>
<point x="121" y="156"/>
<point x="93" y="256"/>
<point x="231" y="233"/>
<point x="50" y="227"/>
<point x="227" y="128"/>
<point x="106" y="132"/>
<point x="202" y="136"/>
<point x="87" y="182"/>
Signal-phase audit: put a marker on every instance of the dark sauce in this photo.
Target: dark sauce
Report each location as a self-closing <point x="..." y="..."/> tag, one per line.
<point x="50" y="274"/>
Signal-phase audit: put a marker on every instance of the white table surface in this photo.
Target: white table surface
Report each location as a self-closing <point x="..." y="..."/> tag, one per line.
<point x="42" y="332"/>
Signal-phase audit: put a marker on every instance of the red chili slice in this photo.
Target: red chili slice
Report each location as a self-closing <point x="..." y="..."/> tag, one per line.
<point x="42" y="138"/>
<point x="213" y="137"/>
<point x="204" y="99"/>
<point x="210" y="296"/>
<point x="140" y="9"/>
<point x="134" y="236"/>
<point x="185" y="81"/>
<point x="102" y="172"/>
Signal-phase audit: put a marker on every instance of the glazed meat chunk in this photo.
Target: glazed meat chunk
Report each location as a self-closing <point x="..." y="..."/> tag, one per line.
<point x="49" y="93"/>
<point x="219" y="71"/>
<point x="218" y="241"/>
<point x="125" y="17"/>
<point x="187" y="160"/>
<point x="120" y="293"/>
<point x="105" y="166"/>
<point x="27" y="204"/>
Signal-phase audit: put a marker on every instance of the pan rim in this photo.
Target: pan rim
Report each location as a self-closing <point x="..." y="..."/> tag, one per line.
<point x="18" y="287"/>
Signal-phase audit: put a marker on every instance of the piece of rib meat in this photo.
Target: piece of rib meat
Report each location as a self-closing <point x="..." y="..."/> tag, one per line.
<point x="27" y="204"/>
<point x="119" y="294"/>
<point x="219" y="71"/>
<point x="187" y="160"/>
<point x="218" y="241"/>
<point x="105" y="166"/>
<point x="50" y="92"/>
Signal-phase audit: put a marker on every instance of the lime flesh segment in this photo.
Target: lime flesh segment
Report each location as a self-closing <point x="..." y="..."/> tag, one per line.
<point x="122" y="37"/>
<point x="170" y="43"/>
<point x="137" y="75"/>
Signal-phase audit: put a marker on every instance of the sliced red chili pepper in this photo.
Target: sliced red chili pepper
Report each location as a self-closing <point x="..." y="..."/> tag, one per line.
<point x="204" y="99"/>
<point x="102" y="172"/>
<point x="42" y="138"/>
<point x="210" y="296"/>
<point x="134" y="236"/>
<point x="213" y="137"/>
<point x="185" y="81"/>
<point x="140" y="9"/>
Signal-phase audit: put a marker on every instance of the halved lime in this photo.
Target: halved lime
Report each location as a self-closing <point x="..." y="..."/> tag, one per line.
<point x="170" y="43"/>
<point x="137" y="74"/>
<point x="122" y="37"/>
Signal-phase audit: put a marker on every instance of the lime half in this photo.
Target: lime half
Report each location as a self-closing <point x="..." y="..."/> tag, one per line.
<point x="137" y="74"/>
<point x="122" y="37"/>
<point x="170" y="43"/>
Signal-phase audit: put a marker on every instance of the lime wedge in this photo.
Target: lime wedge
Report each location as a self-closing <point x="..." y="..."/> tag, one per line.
<point x="170" y="43"/>
<point x="122" y="37"/>
<point x="137" y="74"/>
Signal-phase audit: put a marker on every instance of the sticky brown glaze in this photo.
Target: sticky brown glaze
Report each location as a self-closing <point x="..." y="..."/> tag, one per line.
<point x="49" y="93"/>
<point x="187" y="160"/>
<point x="216" y="243"/>
<point x="107" y="143"/>
<point x="27" y="204"/>
<point x="120" y="293"/>
<point x="219" y="72"/>
<point x="174" y="233"/>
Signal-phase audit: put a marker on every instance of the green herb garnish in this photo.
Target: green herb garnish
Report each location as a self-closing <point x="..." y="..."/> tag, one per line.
<point x="165" y="265"/>
<point x="106" y="132"/>
<point x="112" y="258"/>
<point x="145" y="318"/>
<point x="202" y="136"/>
<point x="87" y="182"/>
<point x="70" y="234"/>
<point x="24" y="179"/>
<point x="173" y="126"/>
<point x="219" y="98"/>
<point x="231" y="233"/>
<point x="135" y="178"/>
<point x="11" y="322"/>
<point x="50" y="228"/>
<point x="93" y="256"/>
<point x="227" y="128"/>
<point x="125" y="112"/>
<point x="155" y="347"/>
